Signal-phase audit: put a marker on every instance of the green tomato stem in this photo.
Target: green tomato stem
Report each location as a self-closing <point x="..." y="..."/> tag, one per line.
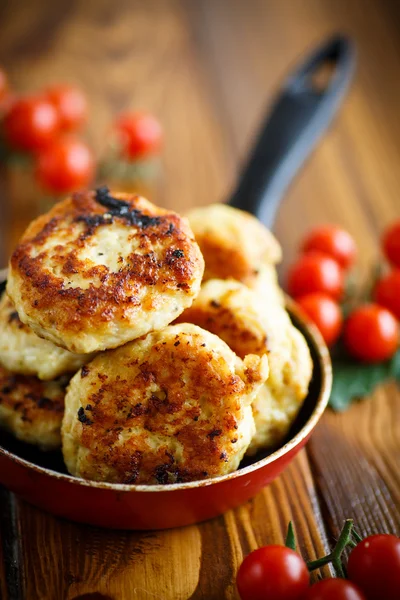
<point x="290" y="541"/>
<point x="356" y="536"/>
<point x="335" y="557"/>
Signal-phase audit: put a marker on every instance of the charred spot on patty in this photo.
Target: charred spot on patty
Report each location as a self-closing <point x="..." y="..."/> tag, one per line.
<point x="93" y="221"/>
<point x="178" y="253"/>
<point x="83" y="418"/>
<point x="214" y="433"/>
<point x="122" y="209"/>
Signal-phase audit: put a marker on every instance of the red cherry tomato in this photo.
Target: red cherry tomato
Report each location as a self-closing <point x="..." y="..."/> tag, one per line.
<point x="387" y="292"/>
<point x="64" y="166"/>
<point x="31" y="123"/>
<point x="334" y="589"/>
<point x="273" y="572"/>
<point x="334" y="241"/>
<point x="374" y="565"/>
<point x="71" y="105"/>
<point x="315" y="272"/>
<point x="371" y="333"/>
<point x="391" y="244"/>
<point x="140" y="135"/>
<point x="325" y="313"/>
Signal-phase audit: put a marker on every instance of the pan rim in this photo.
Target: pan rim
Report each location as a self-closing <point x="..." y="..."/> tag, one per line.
<point x="322" y="353"/>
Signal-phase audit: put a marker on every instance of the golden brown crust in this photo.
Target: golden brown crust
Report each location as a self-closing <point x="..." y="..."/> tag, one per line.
<point x="173" y="406"/>
<point x="23" y="352"/>
<point x="252" y="324"/>
<point x="32" y="409"/>
<point x="217" y="309"/>
<point x="224" y="261"/>
<point x="234" y="243"/>
<point x="85" y="300"/>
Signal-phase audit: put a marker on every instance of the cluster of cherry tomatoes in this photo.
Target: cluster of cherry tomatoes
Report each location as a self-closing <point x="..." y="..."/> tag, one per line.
<point x="317" y="281"/>
<point x="279" y="573"/>
<point x="45" y="126"/>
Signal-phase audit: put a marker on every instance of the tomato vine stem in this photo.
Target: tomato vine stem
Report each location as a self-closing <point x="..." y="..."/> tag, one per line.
<point x="335" y="556"/>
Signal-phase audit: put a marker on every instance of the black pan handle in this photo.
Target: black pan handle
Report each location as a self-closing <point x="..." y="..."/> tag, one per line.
<point x="299" y="117"/>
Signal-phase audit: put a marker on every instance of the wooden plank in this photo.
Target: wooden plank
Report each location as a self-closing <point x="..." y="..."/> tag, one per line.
<point x="3" y="590"/>
<point x="355" y="458"/>
<point x="66" y="560"/>
<point x="11" y="566"/>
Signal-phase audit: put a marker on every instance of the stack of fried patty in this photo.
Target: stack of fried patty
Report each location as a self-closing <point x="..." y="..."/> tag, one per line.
<point x="173" y="380"/>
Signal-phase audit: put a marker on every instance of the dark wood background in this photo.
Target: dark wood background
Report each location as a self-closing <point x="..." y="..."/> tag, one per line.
<point x="208" y="69"/>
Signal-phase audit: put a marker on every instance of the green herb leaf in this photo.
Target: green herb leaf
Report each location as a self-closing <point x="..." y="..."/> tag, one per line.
<point x="352" y="380"/>
<point x="290" y="541"/>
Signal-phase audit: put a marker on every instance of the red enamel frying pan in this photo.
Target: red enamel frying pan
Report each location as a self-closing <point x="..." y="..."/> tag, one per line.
<point x="299" y="117"/>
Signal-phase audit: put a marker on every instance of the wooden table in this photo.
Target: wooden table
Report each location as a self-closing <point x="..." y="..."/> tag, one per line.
<point x="208" y="68"/>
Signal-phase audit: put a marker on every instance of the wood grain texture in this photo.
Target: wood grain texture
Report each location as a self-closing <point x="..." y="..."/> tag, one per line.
<point x="355" y="458"/>
<point x="65" y="560"/>
<point x="12" y="569"/>
<point x="209" y="69"/>
<point x="3" y="590"/>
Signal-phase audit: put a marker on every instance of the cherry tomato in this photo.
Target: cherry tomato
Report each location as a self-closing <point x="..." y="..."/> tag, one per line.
<point x="371" y="333"/>
<point x="273" y="572"/>
<point x="71" y="105"/>
<point x="334" y="589"/>
<point x="334" y="241"/>
<point x="374" y="565"/>
<point x="325" y="313"/>
<point x="387" y="292"/>
<point x="391" y="244"/>
<point x="140" y="134"/>
<point x="315" y="272"/>
<point x="31" y="123"/>
<point x="64" y="166"/>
